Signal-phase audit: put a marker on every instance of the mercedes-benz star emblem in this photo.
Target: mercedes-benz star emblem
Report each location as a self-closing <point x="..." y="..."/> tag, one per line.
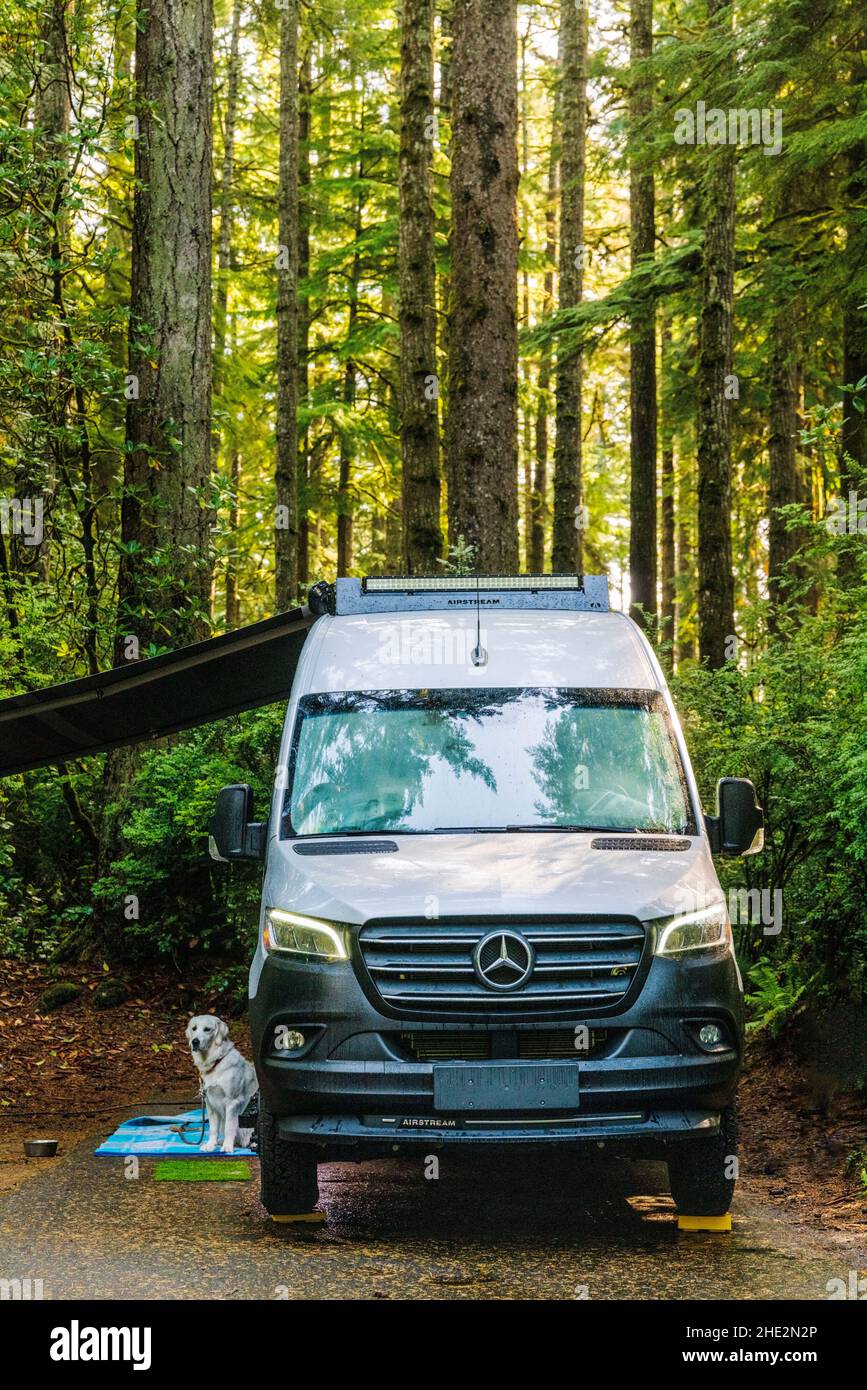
<point x="503" y="960"/>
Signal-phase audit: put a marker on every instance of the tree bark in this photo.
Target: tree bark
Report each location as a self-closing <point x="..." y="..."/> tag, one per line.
<point x="642" y="374"/>
<point x="51" y="112"/>
<point x="567" y="536"/>
<point x="715" y="577"/>
<point x="445" y="10"/>
<point x="305" y="86"/>
<point x="685" y="641"/>
<point x="536" y="560"/>
<point x="347" y="450"/>
<point x="164" y="575"/>
<point x="168" y="427"/>
<point x="854" y="438"/>
<point x="783" y="480"/>
<point x="226" y="224"/>
<point x="233" y="598"/>
<point x="483" y="343"/>
<point x="667" y="520"/>
<point x="286" y="532"/>
<point x="419" y="424"/>
<point x="227" y="201"/>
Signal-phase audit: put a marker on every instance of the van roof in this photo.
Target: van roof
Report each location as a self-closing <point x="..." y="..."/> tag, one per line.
<point x="422" y="650"/>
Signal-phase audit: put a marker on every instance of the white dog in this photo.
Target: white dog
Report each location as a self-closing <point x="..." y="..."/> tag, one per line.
<point x="228" y="1081"/>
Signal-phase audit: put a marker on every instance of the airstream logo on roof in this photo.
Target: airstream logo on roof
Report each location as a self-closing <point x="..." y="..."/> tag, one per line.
<point x="473" y="603"/>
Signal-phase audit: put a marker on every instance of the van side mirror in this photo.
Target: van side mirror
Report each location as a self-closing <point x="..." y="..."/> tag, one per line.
<point x="233" y="834"/>
<point x="738" y="826"/>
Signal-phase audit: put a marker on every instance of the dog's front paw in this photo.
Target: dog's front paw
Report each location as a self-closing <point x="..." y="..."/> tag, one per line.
<point x="228" y="1146"/>
<point x="208" y="1146"/>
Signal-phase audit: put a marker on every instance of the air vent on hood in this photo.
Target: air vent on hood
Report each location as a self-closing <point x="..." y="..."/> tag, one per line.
<point x="349" y="847"/>
<point x="641" y="843"/>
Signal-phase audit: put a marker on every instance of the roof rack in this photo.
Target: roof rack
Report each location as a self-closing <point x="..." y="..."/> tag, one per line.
<point x="573" y="593"/>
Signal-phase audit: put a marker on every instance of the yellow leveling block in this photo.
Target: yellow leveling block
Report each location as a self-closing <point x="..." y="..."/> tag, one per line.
<point x="705" y="1223"/>
<point x="313" y="1218"/>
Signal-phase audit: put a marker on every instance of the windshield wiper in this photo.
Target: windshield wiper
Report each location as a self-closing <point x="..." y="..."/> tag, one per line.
<point x="535" y="829"/>
<point x="576" y="829"/>
<point x="465" y="830"/>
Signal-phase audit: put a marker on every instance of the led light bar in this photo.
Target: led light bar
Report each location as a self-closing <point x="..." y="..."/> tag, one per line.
<point x="435" y="593"/>
<point x="451" y="583"/>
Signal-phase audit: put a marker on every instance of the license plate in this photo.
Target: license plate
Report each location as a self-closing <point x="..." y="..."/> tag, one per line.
<point x="517" y="1086"/>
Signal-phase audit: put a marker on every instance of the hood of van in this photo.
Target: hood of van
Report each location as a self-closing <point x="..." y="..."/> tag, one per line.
<point x="489" y="874"/>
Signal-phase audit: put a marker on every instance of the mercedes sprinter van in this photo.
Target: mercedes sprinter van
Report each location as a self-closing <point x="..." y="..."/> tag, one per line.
<point x="490" y="914"/>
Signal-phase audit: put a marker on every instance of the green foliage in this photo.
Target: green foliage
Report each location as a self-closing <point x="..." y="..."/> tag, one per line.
<point x="164" y="894"/>
<point x="461" y="557"/>
<point x="793" y="718"/>
<point x="227" y="987"/>
<point x="856" y="1166"/>
<point x="772" y="996"/>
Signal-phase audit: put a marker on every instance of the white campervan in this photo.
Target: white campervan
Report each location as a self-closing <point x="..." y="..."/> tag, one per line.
<point x="490" y="913"/>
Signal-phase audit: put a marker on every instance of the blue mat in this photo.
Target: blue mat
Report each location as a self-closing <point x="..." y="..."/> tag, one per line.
<point x="153" y="1136"/>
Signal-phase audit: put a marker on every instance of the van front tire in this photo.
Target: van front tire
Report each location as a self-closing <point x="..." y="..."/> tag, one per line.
<point x="699" y="1170"/>
<point x="287" y="1172"/>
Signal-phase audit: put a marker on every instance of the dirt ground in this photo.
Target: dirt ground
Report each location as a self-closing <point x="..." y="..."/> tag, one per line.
<point x="63" y="1073"/>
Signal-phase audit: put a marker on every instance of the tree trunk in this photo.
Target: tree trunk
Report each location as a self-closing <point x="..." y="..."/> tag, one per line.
<point x="483" y="343"/>
<point x="536" y="560"/>
<point x="855" y="327"/>
<point x="224" y="264"/>
<point x="685" y="648"/>
<point x="286" y="533"/>
<point x="347" y="450"/>
<point x="168" y="427"/>
<point x="227" y="203"/>
<point x="39" y="475"/>
<point x="419" y="425"/>
<point x="783" y="480"/>
<point x="233" y="604"/>
<point x="642" y="374"/>
<point x="164" y="575"/>
<point x="305" y="85"/>
<point x="445" y="10"/>
<point x="526" y="440"/>
<point x="715" y="578"/>
<point x="567" y="539"/>
<point x="667" y="520"/>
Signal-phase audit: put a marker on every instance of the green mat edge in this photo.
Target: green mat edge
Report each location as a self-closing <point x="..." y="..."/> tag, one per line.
<point x="201" y="1170"/>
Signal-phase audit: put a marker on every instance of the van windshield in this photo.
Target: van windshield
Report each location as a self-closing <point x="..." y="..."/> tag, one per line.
<point x="448" y="760"/>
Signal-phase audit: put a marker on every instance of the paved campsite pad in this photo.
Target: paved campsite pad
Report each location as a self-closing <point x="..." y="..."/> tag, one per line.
<point x="482" y="1230"/>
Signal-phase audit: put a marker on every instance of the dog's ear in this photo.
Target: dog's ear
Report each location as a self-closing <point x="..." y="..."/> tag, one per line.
<point x="222" y="1030"/>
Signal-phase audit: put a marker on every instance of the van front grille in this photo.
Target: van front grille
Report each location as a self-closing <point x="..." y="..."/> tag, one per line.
<point x="576" y="965"/>
<point x="473" y="1045"/>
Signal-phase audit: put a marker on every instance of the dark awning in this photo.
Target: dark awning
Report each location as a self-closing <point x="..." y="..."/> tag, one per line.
<point x="147" y="699"/>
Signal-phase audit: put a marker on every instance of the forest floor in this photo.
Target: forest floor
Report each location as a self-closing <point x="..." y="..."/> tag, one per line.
<point x="65" y="1074"/>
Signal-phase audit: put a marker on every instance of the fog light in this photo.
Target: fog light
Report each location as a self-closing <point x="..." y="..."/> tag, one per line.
<point x="288" y="1039"/>
<point x="710" y="1034"/>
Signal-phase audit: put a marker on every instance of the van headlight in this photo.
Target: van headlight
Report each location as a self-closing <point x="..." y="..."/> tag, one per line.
<point x="290" y="933"/>
<point x="707" y="929"/>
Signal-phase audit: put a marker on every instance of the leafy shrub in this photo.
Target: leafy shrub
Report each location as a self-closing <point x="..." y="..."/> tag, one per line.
<point x="794" y="719"/>
<point x="167" y="895"/>
<point x="772" y="996"/>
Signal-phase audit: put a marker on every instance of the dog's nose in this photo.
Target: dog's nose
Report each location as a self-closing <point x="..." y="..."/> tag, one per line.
<point x="195" y="1044"/>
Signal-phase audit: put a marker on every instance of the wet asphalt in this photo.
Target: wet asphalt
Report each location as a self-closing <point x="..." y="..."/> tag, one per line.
<point x="552" y="1228"/>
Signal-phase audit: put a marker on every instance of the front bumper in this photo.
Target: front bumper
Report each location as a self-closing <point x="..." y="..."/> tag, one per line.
<point x="353" y="1088"/>
<point x="639" y="1134"/>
